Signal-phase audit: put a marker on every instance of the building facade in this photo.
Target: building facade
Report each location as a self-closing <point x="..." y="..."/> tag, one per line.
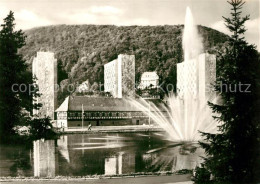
<point x="149" y="80"/>
<point x="99" y="111"/>
<point x="84" y="87"/>
<point x="112" y="83"/>
<point x="119" y="76"/>
<point x="44" y="68"/>
<point x="196" y="78"/>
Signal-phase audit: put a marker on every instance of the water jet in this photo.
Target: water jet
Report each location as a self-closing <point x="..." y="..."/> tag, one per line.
<point x="187" y="112"/>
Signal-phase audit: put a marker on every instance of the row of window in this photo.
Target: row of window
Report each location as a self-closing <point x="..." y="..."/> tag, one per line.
<point x="105" y="114"/>
<point x="79" y="118"/>
<point x="62" y="115"/>
<point x="101" y="115"/>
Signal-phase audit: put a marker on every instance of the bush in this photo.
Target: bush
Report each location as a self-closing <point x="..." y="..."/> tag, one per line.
<point x="201" y="176"/>
<point x="41" y="128"/>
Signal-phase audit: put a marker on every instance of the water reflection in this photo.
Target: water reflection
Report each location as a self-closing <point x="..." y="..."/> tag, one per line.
<point x="173" y="159"/>
<point x="62" y="145"/>
<point x="109" y="154"/>
<point x="44" y="158"/>
<point x="120" y="164"/>
<point x="15" y="161"/>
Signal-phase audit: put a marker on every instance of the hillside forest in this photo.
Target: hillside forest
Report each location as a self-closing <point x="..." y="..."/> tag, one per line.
<point x="82" y="50"/>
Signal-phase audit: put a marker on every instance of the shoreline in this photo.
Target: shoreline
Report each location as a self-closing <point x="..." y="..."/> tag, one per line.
<point x="112" y="129"/>
<point x="186" y="174"/>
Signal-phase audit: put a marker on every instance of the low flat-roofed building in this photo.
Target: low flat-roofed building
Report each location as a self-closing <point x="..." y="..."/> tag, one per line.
<point x="99" y="111"/>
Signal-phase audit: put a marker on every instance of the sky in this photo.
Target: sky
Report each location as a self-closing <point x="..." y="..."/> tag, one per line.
<point x="34" y="13"/>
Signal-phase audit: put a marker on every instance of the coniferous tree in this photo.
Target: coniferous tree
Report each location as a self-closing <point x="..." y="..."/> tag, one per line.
<point x="231" y="154"/>
<point x="15" y="81"/>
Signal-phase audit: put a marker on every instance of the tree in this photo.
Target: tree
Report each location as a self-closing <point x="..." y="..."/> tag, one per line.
<point x="61" y="72"/>
<point x="15" y="80"/>
<point x="231" y="154"/>
<point x="41" y="128"/>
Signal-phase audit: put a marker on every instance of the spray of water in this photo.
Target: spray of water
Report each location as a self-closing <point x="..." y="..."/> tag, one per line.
<point x="171" y="118"/>
<point x="183" y="117"/>
<point x="191" y="42"/>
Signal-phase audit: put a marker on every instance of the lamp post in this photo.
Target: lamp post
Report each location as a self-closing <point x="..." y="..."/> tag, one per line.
<point x="149" y="114"/>
<point x="82" y="117"/>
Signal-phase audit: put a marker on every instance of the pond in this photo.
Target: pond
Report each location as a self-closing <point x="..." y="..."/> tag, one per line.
<point x="98" y="154"/>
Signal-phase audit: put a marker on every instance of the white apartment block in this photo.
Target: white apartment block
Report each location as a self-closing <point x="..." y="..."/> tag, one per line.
<point x="112" y="84"/>
<point x="196" y="77"/>
<point x="44" y="68"/>
<point x="119" y="76"/>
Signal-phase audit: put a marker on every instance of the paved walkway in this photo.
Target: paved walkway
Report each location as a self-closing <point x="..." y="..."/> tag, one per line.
<point x="127" y="128"/>
<point x="174" y="179"/>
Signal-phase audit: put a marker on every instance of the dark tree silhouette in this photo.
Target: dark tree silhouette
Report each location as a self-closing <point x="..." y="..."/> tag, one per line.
<point x="15" y="80"/>
<point x="231" y="154"/>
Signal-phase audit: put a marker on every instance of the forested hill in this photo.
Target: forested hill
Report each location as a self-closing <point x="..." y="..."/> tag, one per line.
<point x="82" y="50"/>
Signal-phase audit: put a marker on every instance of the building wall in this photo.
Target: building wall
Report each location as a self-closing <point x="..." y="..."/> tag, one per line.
<point x="207" y="77"/>
<point x="107" y="122"/>
<point x="79" y="123"/>
<point x="128" y="74"/>
<point x="103" y="115"/>
<point x="45" y="70"/>
<point x="195" y="77"/>
<point x="119" y="76"/>
<point x="149" y="78"/>
<point x="102" y="118"/>
<point x="187" y="78"/>
<point x="180" y="79"/>
<point x="62" y="121"/>
<point x="103" y="122"/>
<point x="111" y="77"/>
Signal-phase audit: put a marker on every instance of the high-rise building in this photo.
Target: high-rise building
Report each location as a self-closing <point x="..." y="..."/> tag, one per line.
<point x="196" y="78"/>
<point x="44" y="68"/>
<point x="119" y="76"/>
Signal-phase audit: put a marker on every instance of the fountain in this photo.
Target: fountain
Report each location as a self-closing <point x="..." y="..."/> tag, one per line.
<point x="187" y="113"/>
<point x="191" y="41"/>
